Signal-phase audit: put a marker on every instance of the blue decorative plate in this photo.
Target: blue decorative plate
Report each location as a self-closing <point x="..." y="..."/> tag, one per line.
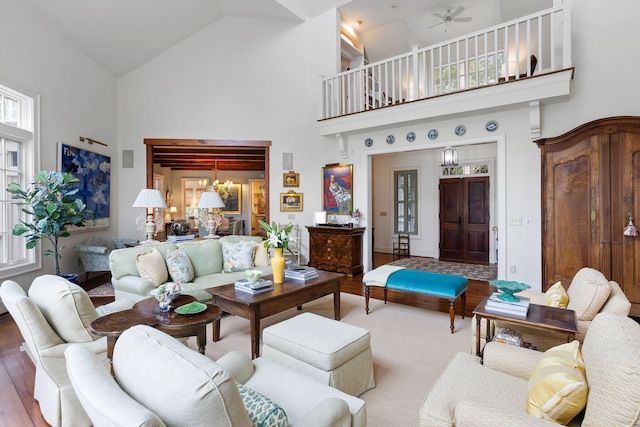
<point x="433" y="134"/>
<point x="368" y="142"/>
<point x="391" y="139"/>
<point x="460" y="130"/>
<point x="491" y="125"/>
<point x="411" y="137"/>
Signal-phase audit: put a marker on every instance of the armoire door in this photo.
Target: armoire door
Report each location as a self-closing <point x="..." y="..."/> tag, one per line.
<point x="464" y="219"/>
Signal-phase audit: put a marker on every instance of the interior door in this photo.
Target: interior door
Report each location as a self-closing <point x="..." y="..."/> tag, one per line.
<point x="464" y="219"/>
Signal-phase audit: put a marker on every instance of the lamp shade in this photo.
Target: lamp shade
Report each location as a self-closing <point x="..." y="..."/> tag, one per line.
<point x="173" y="209"/>
<point x="210" y="199"/>
<point x="149" y="198"/>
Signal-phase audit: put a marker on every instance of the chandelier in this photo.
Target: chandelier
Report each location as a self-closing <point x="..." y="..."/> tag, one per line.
<point x="216" y="183"/>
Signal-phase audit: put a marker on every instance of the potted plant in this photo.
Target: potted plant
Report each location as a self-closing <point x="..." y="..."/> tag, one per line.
<point x="277" y="238"/>
<point x="52" y="207"/>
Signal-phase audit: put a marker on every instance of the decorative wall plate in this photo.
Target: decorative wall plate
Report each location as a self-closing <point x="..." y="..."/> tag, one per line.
<point x="368" y="142"/>
<point x="411" y="137"/>
<point x="433" y="134"/>
<point x="460" y="130"/>
<point x="391" y="139"/>
<point x="491" y="125"/>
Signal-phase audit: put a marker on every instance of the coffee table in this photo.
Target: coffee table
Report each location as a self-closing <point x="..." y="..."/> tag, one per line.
<point x="283" y="296"/>
<point x="538" y="316"/>
<point x="147" y="312"/>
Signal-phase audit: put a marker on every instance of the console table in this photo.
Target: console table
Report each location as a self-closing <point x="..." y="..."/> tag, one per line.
<point x="336" y="248"/>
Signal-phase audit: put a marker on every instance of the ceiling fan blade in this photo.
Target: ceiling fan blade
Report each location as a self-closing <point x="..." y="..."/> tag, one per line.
<point x="437" y="15"/>
<point x="463" y="19"/>
<point x="435" y="25"/>
<point x="457" y="12"/>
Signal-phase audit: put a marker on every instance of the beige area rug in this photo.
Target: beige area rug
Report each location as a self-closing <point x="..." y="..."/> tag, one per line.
<point x="411" y="347"/>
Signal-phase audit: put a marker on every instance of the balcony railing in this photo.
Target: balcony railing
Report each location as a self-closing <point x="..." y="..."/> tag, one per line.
<point x="536" y="44"/>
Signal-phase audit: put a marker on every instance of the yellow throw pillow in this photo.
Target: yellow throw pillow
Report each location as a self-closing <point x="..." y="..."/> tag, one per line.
<point x="151" y="266"/>
<point x="557" y="385"/>
<point x="556" y="296"/>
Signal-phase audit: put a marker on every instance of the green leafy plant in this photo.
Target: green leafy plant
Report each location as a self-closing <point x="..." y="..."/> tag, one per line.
<point x="277" y="236"/>
<point x="52" y="207"/>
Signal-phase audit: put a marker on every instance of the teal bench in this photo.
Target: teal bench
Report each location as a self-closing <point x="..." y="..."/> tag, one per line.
<point x="438" y="285"/>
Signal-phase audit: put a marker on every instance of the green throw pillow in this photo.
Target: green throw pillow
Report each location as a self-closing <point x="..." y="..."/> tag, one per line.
<point x="263" y="412"/>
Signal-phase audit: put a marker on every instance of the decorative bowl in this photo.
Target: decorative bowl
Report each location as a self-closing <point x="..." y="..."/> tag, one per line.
<point x="508" y="288"/>
<point x="180" y="227"/>
<point x="165" y="294"/>
<point x="253" y="275"/>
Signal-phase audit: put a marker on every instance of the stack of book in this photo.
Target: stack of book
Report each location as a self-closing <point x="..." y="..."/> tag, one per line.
<point x="518" y="309"/>
<point x="261" y="285"/>
<point x="301" y="272"/>
<point x="181" y="238"/>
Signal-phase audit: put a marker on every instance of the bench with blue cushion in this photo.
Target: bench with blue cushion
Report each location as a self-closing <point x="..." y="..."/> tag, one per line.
<point x="447" y="286"/>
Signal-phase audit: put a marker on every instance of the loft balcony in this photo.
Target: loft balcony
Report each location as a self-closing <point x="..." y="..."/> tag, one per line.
<point x="524" y="61"/>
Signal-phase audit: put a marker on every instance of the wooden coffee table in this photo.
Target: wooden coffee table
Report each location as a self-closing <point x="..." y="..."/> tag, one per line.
<point x="291" y="293"/>
<point x="147" y="312"/>
<point x="539" y="316"/>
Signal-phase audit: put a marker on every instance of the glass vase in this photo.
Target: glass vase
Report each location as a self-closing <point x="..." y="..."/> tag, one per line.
<point x="277" y="265"/>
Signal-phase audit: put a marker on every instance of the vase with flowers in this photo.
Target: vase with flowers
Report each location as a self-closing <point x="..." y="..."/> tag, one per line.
<point x="354" y="217"/>
<point x="278" y="238"/>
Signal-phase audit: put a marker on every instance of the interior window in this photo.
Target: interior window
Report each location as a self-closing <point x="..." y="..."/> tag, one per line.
<point x="406" y="202"/>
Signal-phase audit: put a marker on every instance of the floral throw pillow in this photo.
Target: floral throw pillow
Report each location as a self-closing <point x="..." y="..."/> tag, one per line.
<point x="179" y="265"/>
<point x="263" y="412"/>
<point x="237" y="256"/>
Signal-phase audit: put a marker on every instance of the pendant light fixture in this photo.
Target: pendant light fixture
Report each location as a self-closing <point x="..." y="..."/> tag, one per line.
<point x="449" y="157"/>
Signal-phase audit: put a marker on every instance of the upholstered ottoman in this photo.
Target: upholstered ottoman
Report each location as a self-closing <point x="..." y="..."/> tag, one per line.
<point x="335" y="353"/>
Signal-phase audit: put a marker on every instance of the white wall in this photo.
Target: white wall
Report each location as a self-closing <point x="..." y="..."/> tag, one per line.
<point x="77" y="98"/>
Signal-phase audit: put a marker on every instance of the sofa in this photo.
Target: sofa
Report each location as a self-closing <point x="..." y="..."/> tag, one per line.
<point x="595" y="384"/>
<point x="54" y="315"/>
<point x="588" y="294"/>
<point x="159" y="381"/>
<point x="94" y="253"/>
<point x="211" y="262"/>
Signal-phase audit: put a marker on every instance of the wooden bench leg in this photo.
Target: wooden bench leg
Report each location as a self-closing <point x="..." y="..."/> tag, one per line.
<point x="452" y="313"/>
<point x="463" y="297"/>
<point x="367" y="292"/>
<point x="385" y="295"/>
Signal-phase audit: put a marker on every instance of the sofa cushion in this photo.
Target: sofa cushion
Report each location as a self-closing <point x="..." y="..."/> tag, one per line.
<point x="151" y="266"/>
<point x="179" y="265"/>
<point x="557" y="386"/>
<point x="237" y="256"/>
<point x="263" y="412"/>
<point x="556" y="296"/>
<point x="587" y="293"/>
<point x="122" y="262"/>
<point x="205" y="256"/>
<point x="180" y="385"/>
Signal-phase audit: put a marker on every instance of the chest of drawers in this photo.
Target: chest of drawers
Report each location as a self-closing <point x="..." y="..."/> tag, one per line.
<point x="336" y="249"/>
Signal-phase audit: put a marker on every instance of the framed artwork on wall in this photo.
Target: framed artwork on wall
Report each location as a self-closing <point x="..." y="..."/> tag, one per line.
<point x="94" y="172"/>
<point x="337" y="188"/>
<point x="232" y="197"/>
<point x="291" y="202"/>
<point x="291" y="179"/>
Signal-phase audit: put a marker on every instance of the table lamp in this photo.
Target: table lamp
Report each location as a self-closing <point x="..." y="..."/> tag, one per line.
<point x="150" y="199"/>
<point x="209" y="200"/>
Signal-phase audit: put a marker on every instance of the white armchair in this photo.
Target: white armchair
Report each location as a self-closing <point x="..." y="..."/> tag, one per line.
<point x="55" y="314"/>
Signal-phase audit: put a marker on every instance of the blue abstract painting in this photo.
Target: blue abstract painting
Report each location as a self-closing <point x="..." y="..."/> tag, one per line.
<point x="94" y="172"/>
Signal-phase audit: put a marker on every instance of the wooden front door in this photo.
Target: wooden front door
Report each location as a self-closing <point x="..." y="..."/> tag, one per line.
<point x="464" y="219"/>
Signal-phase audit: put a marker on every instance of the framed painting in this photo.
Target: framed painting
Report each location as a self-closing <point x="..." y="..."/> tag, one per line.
<point x="291" y="179"/>
<point x="232" y="197"/>
<point x="94" y="172"/>
<point x="291" y="202"/>
<point x="337" y="188"/>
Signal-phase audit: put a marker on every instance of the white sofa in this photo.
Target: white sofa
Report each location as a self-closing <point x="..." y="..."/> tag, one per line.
<point x="206" y="257"/>
<point x="159" y="381"/>
<point x="56" y="314"/>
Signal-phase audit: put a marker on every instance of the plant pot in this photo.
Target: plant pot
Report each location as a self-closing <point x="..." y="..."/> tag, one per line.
<point x="73" y="278"/>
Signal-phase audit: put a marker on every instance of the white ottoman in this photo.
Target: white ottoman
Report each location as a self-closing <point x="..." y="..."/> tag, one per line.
<point x="335" y="353"/>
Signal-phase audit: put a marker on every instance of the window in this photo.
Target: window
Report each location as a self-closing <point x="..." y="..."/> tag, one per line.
<point x="18" y="160"/>
<point x="454" y="78"/>
<point x="406" y="202"/>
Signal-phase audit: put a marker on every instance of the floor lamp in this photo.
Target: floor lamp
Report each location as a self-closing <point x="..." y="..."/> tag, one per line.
<point x="150" y="199"/>
<point x="211" y="200"/>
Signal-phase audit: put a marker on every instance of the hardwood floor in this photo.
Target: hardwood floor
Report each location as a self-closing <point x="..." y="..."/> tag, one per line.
<point x="17" y="372"/>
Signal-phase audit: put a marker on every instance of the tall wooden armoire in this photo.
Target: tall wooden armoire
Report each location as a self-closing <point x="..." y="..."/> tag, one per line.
<point x="590" y="187"/>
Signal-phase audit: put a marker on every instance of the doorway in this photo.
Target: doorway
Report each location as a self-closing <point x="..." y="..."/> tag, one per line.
<point x="464" y="219"/>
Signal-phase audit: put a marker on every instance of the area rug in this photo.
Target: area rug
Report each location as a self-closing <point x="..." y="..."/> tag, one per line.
<point x="104" y="290"/>
<point x="410" y="346"/>
<point x="470" y="271"/>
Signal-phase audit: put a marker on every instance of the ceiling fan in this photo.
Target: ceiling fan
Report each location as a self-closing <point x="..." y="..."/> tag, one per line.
<point x="450" y="17"/>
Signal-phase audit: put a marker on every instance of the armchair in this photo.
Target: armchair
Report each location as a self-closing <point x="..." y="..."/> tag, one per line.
<point x="94" y="253"/>
<point x="496" y="393"/>
<point x="160" y="381"/>
<point x="54" y="314"/>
